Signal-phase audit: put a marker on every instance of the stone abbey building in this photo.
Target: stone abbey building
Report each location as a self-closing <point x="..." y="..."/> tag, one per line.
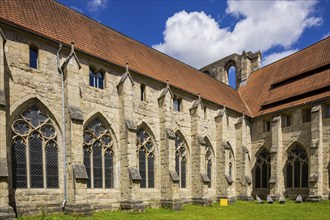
<point x="91" y="120"/>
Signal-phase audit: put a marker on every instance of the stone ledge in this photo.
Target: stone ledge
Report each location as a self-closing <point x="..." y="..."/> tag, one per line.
<point x="7" y="213"/>
<point x="175" y="204"/>
<point x="78" y="209"/>
<point x="202" y="201"/>
<point x="132" y="206"/>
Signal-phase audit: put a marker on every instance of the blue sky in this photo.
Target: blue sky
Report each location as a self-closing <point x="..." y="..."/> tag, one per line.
<point x="203" y="31"/>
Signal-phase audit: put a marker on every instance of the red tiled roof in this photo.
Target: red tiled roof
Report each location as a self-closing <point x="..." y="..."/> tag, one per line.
<point x="57" y="22"/>
<point x="297" y="79"/>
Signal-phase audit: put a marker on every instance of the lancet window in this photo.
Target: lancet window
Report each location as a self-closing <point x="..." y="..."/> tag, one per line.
<point x="262" y="169"/>
<point x="297" y="168"/>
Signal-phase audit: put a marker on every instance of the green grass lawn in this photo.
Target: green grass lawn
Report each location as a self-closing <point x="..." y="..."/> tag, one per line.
<point x="239" y="210"/>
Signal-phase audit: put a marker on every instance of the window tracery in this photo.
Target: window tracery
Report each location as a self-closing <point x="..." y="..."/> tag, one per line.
<point x="34" y="151"/>
<point x="297" y="168"/>
<point x="98" y="155"/>
<point x="145" y="152"/>
<point x="181" y="160"/>
<point x="262" y="169"/>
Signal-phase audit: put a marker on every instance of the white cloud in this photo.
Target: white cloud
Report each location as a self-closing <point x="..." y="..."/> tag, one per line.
<point x="197" y="39"/>
<point x="96" y="5"/>
<point x="277" y="56"/>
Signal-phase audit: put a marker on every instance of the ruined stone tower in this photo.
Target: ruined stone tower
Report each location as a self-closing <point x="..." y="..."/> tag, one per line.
<point x="244" y="64"/>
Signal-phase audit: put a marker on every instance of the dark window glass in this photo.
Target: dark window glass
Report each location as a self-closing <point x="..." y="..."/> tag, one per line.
<point x="34" y="128"/>
<point x="297" y="173"/>
<point x="98" y="143"/>
<point x="177" y="164"/>
<point x="264" y="175"/>
<point x="97" y="165"/>
<point x="304" y="175"/>
<point x="258" y="177"/>
<point x="266" y="126"/>
<point x="151" y="175"/>
<point x="180" y="160"/>
<point x="262" y="169"/>
<point x="142" y="168"/>
<point x="209" y="172"/>
<point x="145" y="148"/>
<point x="108" y="163"/>
<point x="87" y="163"/>
<point x="92" y="81"/>
<point x="289" y="176"/>
<point x="306" y="115"/>
<point x="143" y="95"/>
<point x="19" y="164"/>
<point x="36" y="164"/>
<point x="177" y="104"/>
<point x="297" y="168"/>
<point x="183" y="173"/>
<point x="230" y="169"/>
<point x="327" y="113"/>
<point x="96" y="79"/>
<point x="51" y="165"/>
<point x="33" y="58"/>
<point x="99" y="80"/>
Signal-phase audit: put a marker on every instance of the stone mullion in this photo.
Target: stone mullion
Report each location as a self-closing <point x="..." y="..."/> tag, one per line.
<point x="5" y="210"/>
<point x="276" y="181"/>
<point x="315" y="180"/>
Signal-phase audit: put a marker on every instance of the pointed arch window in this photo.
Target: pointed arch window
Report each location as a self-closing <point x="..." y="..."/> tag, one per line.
<point x="34" y="150"/>
<point x="297" y="168"/>
<point x="181" y="160"/>
<point x="145" y="153"/>
<point x="98" y="155"/>
<point x="262" y="169"/>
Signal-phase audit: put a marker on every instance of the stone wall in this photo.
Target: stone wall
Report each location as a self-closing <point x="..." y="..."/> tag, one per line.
<point x="233" y="137"/>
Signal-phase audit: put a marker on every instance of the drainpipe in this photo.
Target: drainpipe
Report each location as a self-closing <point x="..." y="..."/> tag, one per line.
<point x="63" y="125"/>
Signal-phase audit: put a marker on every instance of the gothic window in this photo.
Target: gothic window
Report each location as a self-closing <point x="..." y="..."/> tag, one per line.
<point x="297" y="168"/>
<point x="232" y="77"/>
<point x="181" y="160"/>
<point x="327" y="111"/>
<point x="96" y="79"/>
<point x="33" y="57"/>
<point x="143" y="92"/>
<point x="98" y="155"/>
<point x="145" y="152"/>
<point x="177" y="104"/>
<point x="306" y="115"/>
<point x="287" y="120"/>
<point x="262" y="169"/>
<point x="208" y="161"/>
<point x="266" y="125"/>
<point x="34" y="151"/>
